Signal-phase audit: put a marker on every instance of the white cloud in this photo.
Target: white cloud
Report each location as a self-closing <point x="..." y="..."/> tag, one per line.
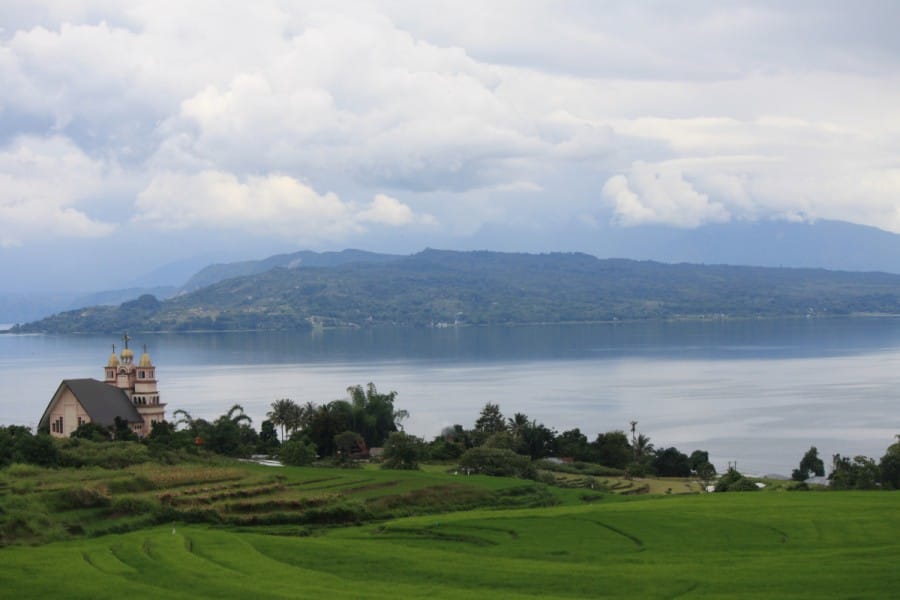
<point x="691" y="114"/>
<point x="390" y="211"/>
<point x="271" y="205"/>
<point x="42" y="183"/>
<point x="659" y="194"/>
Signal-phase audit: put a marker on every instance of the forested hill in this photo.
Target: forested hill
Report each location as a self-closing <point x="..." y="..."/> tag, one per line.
<point x="219" y="272"/>
<point x="475" y="288"/>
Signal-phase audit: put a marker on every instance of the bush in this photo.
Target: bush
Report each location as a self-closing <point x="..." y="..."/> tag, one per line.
<point x="131" y="505"/>
<point x="109" y="455"/>
<point x="442" y="449"/>
<point x="497" y="462"/>
<point x="18" y="445"/>
<point x="81" y="497"/>
<point x="92" y="431"/>
<point x="402" y="451"/>
<point x="297" y="453"/>
<point x="579" y="468"/>
<point x="733" y="481"/>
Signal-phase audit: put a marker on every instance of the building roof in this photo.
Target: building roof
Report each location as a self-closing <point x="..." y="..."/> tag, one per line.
<point x="102" y="402"/>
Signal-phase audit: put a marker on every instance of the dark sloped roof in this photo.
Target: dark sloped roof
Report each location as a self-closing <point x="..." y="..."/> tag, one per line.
<point x="103" y="402"/>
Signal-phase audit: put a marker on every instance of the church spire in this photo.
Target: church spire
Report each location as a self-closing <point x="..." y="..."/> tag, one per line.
<point x="127" y="353"/>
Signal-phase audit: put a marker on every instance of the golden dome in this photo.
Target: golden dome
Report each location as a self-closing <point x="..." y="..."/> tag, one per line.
<point x="127" y="353"/>
<point x="145" y="360"/>
<point x="113" y="360"/>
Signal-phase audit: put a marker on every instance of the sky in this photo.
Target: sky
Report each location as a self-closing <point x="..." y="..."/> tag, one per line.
<point x="138" y="133"/>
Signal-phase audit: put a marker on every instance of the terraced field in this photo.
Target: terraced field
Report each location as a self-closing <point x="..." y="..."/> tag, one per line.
<point x="762" y="545"/>
<point x="40" y="505"/>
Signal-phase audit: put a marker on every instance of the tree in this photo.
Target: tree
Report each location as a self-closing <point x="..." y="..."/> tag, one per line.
<point x="162" y="436"/>
<point x="890" y="466"/>
<point x="374" y="416"/>
<point x="697" y="458"/>
<point x="268" y="437"/>
<point x="450" y="444"/>
<point x="861" y="473"/>
<point x="285" y="414"/>
<point x="122" y="432"/>
<point x="182" y="417"/>
<point x="297" y="452"/>
<point x="326" y="421"/>
<point x="18" y="445"/>
<point x="497" y="462"/>
<point x="670" y="462"/>
<point x="517" y="424"/>
<point x="734" y="481"/>
<point x="706" y="472"/>
<point x="810" y="463"/>
<point x="348" y="443"/>
<point x="231" y="434"/>
<point x="92" y="431"/>
<point x="643" y="449"/>
<point x="490" y="421"/>
<point x="537" y="440"/>
<point x="504" y="440"/>
<point x="402" y="451"/>
<point x="611" y="449"/>
<point x="573" y="444"/>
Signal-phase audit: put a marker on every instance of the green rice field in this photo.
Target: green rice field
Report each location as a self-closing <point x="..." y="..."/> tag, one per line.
<point x="745" y="545"/>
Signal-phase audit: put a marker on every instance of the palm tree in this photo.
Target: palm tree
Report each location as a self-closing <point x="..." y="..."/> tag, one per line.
<point x="284" y="414"/>
<point x="184" y="418"/>
<point x="518" y="423"/>
<point x="642" y="446"/>
<point x="237" y="416"/>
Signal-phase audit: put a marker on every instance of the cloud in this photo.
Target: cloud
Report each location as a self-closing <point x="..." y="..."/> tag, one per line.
<point x="263" y="205"/>
<point x="43" y="182"/>
<point x="659" y="194"/>
<point x="390" y="211"/>
<point x="502" y="112"/>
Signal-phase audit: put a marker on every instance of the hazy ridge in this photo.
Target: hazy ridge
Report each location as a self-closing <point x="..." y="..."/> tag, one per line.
<point x="437" y="287"/>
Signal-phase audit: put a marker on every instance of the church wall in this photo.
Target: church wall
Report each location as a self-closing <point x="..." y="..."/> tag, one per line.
<point x="70" y="410"/>
<point x="151" y="414"/>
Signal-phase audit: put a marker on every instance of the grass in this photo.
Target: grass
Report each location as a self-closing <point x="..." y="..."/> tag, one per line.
<point x="269" y="533"/>
<point x="42" y="505"/>
<point x="727" y="545"/>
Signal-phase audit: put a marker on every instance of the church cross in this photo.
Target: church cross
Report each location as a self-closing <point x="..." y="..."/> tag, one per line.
<point x="126" y="339"/>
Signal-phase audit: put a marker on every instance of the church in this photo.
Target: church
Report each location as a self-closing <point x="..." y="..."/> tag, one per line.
<point x="128" y="391"/>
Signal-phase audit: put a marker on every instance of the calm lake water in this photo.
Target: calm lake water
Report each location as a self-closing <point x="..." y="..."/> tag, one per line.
<point x="756" y="392"/>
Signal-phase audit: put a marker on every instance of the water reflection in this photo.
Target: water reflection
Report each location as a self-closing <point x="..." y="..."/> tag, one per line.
<point x="755" y="391"/>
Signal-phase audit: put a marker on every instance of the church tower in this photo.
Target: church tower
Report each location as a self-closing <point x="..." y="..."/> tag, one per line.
<point x="139" y="384"/>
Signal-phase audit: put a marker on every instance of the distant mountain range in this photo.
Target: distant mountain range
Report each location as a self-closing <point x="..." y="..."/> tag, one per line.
<point x="438" y="288"/>
<point x="19" y="308"/>
<point x="220" y="272"/>
<point x="822" y="244"/>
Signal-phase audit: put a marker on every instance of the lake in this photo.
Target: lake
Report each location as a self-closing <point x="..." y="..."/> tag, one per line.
<point x="758" y="392"/>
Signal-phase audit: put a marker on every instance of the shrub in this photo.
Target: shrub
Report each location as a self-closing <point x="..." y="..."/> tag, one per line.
<point x="297" y="453"/>
<point x="110" y="455"/>
<point x="130" y="505"/>
<point x="402" y="451"/>
<point x="497" y="462"/>
<point x="81" y="497"/>
<point x="734" y="481"/>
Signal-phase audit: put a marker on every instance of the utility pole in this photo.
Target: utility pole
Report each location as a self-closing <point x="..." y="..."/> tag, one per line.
<point x="634" y="448"/>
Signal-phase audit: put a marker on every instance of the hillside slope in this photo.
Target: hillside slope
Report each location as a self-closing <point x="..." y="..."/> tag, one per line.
<point x="481" y="288"/>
